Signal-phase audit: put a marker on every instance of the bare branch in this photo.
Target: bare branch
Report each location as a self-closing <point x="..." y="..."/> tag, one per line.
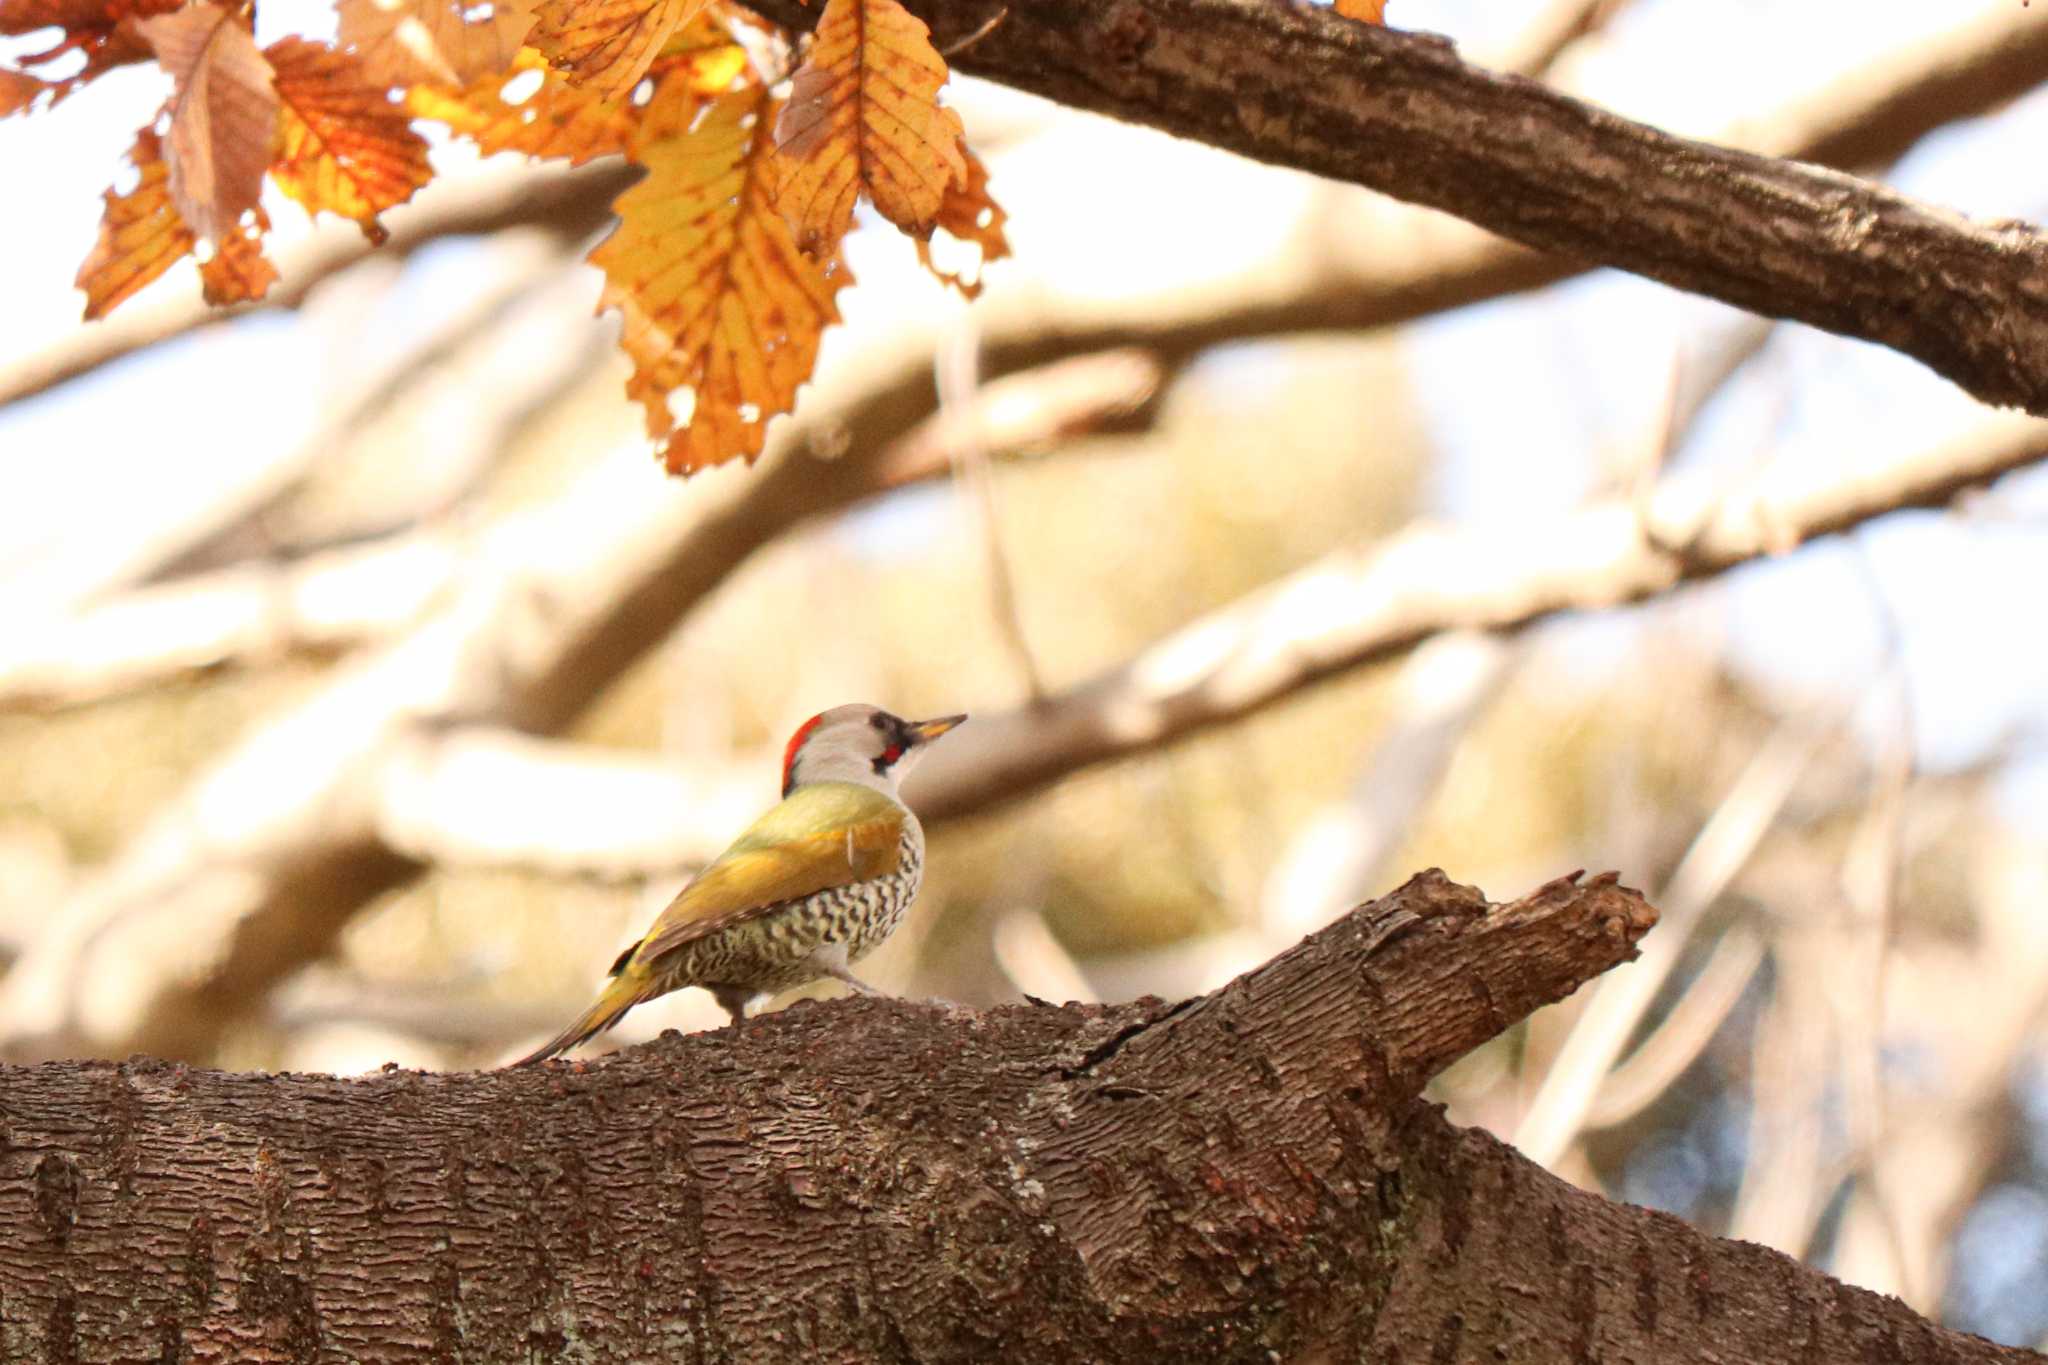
<point x="249" y="613"/>
<point x="568" y="204"/>
<point x="1371" y="603"/>
<point x="1359" y="607"/>
<point x="486" y="797"/>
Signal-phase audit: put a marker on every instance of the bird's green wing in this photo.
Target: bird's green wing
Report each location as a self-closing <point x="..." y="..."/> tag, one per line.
<point x="823" y="835"/>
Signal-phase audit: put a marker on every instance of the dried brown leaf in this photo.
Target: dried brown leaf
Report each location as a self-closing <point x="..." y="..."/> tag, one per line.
<point x="606" y="46"/>
<point x="973" y="218"/>
<point x="343" y="146"/>
<point x="406" y="42"/>
<point x="864" y="117"/>
<point x="223" y="115"/>
<point x="715" y="296"/>
<point x="141" y="234"/>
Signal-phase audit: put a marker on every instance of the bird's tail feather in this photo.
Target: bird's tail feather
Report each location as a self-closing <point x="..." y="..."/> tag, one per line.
<point x="619" y="995"/>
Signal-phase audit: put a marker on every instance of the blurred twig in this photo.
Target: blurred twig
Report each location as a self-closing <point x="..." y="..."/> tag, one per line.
<point x="246" y="614"/>
<point x="1374" y="602"/>
<point x="1536" y="49"/>
<point x="568" y="205"/>
<point x="957" y="370"/>
<point x="1606" y="1025"/>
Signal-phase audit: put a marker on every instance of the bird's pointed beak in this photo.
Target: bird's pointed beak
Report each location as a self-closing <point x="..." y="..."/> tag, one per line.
<point x="925" y="731"/>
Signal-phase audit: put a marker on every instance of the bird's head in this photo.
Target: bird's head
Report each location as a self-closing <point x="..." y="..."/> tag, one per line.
<point x="858" y="743"/>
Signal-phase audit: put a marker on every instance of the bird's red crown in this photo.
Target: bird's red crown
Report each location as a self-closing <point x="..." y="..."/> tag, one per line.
<point x="789" y="753"/>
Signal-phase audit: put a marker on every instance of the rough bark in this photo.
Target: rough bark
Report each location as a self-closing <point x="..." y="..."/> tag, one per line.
<point x="1295" y="85"/>
<point x="1248" y="1175"/>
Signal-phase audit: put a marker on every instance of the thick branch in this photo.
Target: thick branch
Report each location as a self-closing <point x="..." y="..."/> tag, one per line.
<point x="1398" y="112"/>
<point x="1246" y="1176"/>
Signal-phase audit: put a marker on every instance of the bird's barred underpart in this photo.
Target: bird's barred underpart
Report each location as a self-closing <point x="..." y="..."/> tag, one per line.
<point x="774" y="952"/>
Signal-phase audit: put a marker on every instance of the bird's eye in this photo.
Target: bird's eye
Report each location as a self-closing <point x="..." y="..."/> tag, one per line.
<point x="879" y="721"/>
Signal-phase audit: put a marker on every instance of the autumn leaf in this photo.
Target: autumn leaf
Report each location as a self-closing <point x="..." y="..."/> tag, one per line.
<point x="238" y="271"/>
<point x="550" y="119"/>
<point x="141" y="234"/>
<point x="703" y="55"/>
<point x="1365" y="11"/>
<point x="343" y="147"/>
<point x="974" y="219"/>
<point x="102" y="32"/>
<point x="406" y="42"/>
<point x="606" y="46"/>
<point x="18" y="90"/>
<point x="715" y="296"/>
<point x="864" y="116"/>
<point x="223" y="115"/>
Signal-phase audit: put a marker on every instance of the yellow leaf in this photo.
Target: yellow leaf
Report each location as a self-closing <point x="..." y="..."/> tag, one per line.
<point x="223" y="115"/>
<point x="141" y="235"/>
<point x="1365" y="11"/>
<point x="864" y="117"/>
<point x="715" y="296"/>
<point x="974" y="219"/>
<point x="405" y="42"/>
<point x="344" y="148"/>
<point x="606" y="46"/>
<point x="551" y="119"/>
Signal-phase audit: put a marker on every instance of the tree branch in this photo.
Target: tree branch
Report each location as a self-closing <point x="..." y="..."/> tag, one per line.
<point x="1296" y="85"/>
<point x="1246" y="1175"/>
<point x="568" y="204"/>
<point x="1350" y="610"/>
<point x="1360" y="606"/>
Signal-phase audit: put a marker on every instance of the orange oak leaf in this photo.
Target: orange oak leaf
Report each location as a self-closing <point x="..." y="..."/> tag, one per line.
<point x="343" y="146"/>
<point x="548" y="117"/>
<point x="102" y="32"/>
<point x="1365" y="11"/>
<point x="223" y="115"/>
<point x="974" y="219"/>
<point x="141" y="234"/>
<point x="447" y="42"/>
<point x="238" y="271"/>
<point x="864" y="116"/>
<point x="606" y="46"/>
<point x="715" y="296"/>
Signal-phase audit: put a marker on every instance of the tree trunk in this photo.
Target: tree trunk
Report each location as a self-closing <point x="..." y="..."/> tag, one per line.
<point x="1248" y="1175"/>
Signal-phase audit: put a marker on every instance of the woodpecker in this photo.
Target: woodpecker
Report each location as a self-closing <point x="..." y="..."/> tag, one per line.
<point x="807" y="891"/>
